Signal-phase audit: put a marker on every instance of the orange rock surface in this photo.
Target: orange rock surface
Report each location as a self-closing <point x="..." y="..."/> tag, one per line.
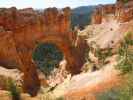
<point x="21" y="30"/>
<point x="122" y="11"/>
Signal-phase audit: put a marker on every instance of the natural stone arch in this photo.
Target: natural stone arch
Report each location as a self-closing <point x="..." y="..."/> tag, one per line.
<point x="21" y="29"/>
<point x="71" y="53"/>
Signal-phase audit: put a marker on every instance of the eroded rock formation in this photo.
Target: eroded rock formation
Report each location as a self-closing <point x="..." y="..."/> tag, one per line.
<point x="122" y="11"/>
<point x="21" y="30"/>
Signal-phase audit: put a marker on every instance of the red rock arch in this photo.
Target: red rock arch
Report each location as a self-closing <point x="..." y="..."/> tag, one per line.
<point x="21" y="29"/>
<point x="71" y="53"/>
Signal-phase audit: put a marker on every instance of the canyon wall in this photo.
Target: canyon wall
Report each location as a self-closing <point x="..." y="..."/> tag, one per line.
<point x="121" y="11"/>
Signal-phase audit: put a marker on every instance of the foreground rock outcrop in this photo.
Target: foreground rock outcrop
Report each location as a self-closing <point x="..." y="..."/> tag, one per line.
<point x="85" y="86"/>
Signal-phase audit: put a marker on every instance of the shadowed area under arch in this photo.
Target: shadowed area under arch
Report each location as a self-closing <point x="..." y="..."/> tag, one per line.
<point x="47" y="56"/>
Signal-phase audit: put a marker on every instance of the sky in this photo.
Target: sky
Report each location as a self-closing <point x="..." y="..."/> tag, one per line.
<point x="40" y="4"/>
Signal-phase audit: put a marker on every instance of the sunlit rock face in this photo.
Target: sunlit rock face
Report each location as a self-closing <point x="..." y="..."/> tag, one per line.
<point x="97" y="16"/>
<point x="21" y="30"/>
<point x="122" y="11"/>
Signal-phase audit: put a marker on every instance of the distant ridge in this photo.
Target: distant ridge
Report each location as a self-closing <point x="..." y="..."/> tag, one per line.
<point x="81" y="16"/>
<point x="83" y="9"/>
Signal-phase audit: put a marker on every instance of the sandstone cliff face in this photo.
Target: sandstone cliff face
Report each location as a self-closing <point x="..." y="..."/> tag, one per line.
<point x="23" y="29"/>
<point x="122" y="11"/>
<point x="97" y="16"/>
<point x="8" y="53"/>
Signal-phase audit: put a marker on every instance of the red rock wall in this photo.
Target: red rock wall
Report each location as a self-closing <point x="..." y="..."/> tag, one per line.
<point x="8" y="52"/>
<point x="97" y="16"/>
<point x="108" y="9"/>
<point x="123" y="12"/>
<point x="126" y="15"/>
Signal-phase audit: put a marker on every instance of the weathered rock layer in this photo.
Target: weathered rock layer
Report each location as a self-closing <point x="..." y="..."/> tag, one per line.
<point x="122" y="11"/>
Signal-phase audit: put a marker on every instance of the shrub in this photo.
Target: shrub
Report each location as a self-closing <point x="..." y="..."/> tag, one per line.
<point x="15" y="93"/>
<point x="102" y="55"/>
<point x="125" y="54"/>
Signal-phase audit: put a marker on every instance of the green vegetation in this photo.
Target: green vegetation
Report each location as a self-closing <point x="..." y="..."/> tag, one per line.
<point x="14" y="90"/>
<point x="125" y="1"/>
<point x="124" y="92"/>
<point x="3" y="82"/>
<point x="87" y="67"/>
<point x="86" y="55"/>
<point x="102" y="55"/>
<point x="125" y="65"/>
<point x="125" y="52"/>
<point x="47" y="56"/>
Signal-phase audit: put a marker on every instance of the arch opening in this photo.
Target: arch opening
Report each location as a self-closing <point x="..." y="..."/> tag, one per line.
<point x="47" y="57"/>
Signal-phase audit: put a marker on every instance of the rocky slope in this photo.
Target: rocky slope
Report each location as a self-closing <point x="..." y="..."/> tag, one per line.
<point x="107" y="34"/>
